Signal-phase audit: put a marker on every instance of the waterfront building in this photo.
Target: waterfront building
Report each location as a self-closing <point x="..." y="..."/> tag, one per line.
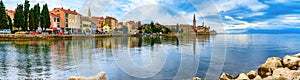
<point x="111" y="22"/>
<point x="200" y="29"/>
<point x="55" y="20"/>
<point x="92" y="23"/>
<point x="106" y="29"/>
<point x="11" y="13"/>
<point x="129" y="27"/>
<point x="68" y="19"/>
<point x="87" y="25"/>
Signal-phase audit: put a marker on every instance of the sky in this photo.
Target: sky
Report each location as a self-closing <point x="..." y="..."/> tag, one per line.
<point x="224" y="16"/>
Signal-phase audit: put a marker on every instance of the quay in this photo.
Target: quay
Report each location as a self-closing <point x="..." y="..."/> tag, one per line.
<point x="49" y="36"/>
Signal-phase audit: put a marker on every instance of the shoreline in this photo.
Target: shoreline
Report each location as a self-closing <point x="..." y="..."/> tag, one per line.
<point x="48" y="36"/>
<point x="9" y="37"/>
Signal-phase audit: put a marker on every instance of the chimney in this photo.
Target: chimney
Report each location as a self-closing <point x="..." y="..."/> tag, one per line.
<point x="62" y="7"/>
<point x="74" y="10"/>
<point x="69" y="10"/>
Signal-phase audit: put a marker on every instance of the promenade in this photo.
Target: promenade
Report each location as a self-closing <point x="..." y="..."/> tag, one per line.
<point x="49" y="36"/>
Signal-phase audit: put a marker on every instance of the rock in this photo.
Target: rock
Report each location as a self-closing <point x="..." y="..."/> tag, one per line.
<point x="271" y="64"/>
<point x="196" y="78"/>
<point x="225" y="76"/>
<point x="257" y="78"/>
<point x="274" y="78"/>
<point x="242" y="76"/>
<point x="295" y="75"/>
<point x="291" y="62"/>
<point x="297" y="55"/>
<point x="252" y="74"/>
<point x="281" y="72"/>
<point x="99" y="76"/>
<point x="285" y="73"/>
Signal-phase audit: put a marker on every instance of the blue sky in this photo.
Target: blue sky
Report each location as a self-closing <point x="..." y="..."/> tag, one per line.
<point x="230" y="16"/>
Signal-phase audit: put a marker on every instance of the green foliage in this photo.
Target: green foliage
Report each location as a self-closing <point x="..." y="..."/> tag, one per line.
<point x="3" y="16"/>
<point x="10" y="24"/>
<point x="19" y="17"/>
<point x="32" y="20"/>
<point x="45" y="17"/>
<point x="26" y="14"/>
<point x="36" y="11"/>
<point x="156" y="28"/>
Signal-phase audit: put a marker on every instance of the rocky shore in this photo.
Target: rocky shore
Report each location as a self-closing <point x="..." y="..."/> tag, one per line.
<point x="48" y="36"/>
<point x="273" y="69"/>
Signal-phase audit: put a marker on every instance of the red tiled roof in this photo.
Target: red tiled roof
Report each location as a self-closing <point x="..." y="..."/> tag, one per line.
<point x="67" y="11"/>
<point x="10" y="11"/>
<point x="52" y="14"/>
<point x="98" y="18"/>
<point x="70" y="12"/>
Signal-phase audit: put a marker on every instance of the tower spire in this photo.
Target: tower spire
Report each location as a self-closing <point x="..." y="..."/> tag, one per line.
<point x="194" y="21"/>
<point x="89" y="13"/>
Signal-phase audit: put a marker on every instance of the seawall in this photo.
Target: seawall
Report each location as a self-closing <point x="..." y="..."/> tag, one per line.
<point x="49" y="36"/>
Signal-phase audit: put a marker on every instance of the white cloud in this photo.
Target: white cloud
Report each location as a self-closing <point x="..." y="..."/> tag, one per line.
<point x="280" y="22"/>
<point x="226" y="5"/>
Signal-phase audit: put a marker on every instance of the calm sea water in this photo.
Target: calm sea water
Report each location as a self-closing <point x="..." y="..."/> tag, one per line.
<point x="180" y="57"/>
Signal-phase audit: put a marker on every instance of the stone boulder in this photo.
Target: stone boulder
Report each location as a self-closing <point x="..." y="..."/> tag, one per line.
<point x="267" y="68"/>
<point x="292" y="62"/>
<point x="225" y="76"/>
<point x="196" y="78"/>
<point x="286" y="74"/>
<point x="252" y="74"/>
<point x="99" y="76"/>
<point x="257" y="78"/>
<point x="242" y="76"/>
<point x="297" y="55"/>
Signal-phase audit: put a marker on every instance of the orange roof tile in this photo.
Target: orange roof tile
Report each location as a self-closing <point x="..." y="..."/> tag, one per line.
<point x="52" y="14"/>
<point x="67" y="11"/>
<point x="10" y="11"/>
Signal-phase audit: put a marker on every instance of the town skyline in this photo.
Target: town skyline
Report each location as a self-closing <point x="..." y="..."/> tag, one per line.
<point x="231" y="16"/>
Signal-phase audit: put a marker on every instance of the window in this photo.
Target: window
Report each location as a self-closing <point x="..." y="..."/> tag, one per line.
<point x="66" y="15"/>
<point x="67" y="20"/>
<point x="58" y="25"/>
<point x="54" y="19"/>
<point x="57" y="19"/>
<point x="67" y="25"/>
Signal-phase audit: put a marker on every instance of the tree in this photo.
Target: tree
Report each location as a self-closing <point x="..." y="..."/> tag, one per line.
<point x="45" y="18"/>
<point x="36" y="11"/>
<point x="26" y="14"/>
<point x="32" y="20"/>
<point x="3" y="17"/>
<point x="19" y="17"/>
<point x="10" y="24"/>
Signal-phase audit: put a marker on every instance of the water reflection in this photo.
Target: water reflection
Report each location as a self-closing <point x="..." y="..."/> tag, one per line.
<point x="60" y="59"/>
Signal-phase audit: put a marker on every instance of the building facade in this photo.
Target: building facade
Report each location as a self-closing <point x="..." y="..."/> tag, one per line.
<point x="55" y="20"/>
<point x="68" y="19"/>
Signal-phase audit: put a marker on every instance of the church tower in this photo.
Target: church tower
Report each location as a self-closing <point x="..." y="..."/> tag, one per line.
<point x="89" y="13"/>
<point x="194" y="22"/>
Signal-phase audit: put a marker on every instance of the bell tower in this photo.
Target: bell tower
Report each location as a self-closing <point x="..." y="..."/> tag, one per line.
<point x="194" y="21"/>
<point x="89" y="13"/>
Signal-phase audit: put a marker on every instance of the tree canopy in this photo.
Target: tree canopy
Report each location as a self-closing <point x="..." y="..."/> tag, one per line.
<point x="45" y="18"/>
<point x="19" y="17"/>
<point x="3" y="16"/>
